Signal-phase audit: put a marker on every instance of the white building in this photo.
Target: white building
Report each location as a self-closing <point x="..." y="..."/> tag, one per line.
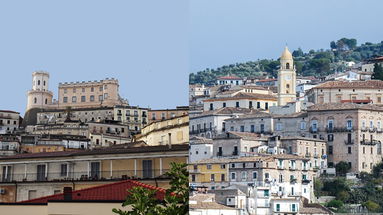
<point x="229" y="80"/>
<point x="200" y="148"/>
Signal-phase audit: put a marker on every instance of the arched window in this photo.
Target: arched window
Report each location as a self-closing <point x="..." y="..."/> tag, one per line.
<point x="287" y="86"/>
<point x="44" y="83"/>
<point x="46" y="101"/>
<point x="35" y="100"/>
<point x="38" y="82"/>
<point x="287" y="65"/>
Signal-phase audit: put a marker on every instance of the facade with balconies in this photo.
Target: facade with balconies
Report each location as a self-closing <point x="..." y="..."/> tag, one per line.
<point x="353" y="133"/>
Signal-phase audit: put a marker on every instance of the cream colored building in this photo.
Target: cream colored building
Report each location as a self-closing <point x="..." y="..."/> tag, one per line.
<point x="164" y="114"/>
<point x="9" y="121"/>
<point x="39" y="96"/>
<point x="89" y="94"/>
<point x="28" y="176"/>
<point x="166" y="132"/>
<point x="133" y="116"/>
<point x="362" y="92"/>
<point x="353" y="132"/>
<point x="286" y="79"/>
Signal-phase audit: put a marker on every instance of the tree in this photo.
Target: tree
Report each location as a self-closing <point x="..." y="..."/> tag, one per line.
<point x="335" y="204"/>
<point x="342" y="168"/>
<point x="298" y="53"/>
<point x="333" y="45"/>
<point x="372" y="206"/>
<point x="143" y="201"/>
<point x="378" y="72"/>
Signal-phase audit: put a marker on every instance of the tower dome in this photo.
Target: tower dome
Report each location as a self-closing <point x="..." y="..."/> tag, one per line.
<point x="286" y="54"/>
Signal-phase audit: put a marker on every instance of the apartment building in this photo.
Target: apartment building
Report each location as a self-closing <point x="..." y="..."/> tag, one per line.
<point x="166" y="132"/>
<point x="9" y="144"/>
<point x="164" y="114"/>
<point x="52" y="143"/>
<point x="353" y="133"/>
<point x="133" y="116"/>
<point x="33" y="175"/>
<point x="361" y="92"/>
<point x="256" y="122"/>
<point x="9" y="121"/>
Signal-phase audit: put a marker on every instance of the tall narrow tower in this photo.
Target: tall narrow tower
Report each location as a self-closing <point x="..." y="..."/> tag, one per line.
<point x="286" y="79"/>
<point x="39" y="96"/>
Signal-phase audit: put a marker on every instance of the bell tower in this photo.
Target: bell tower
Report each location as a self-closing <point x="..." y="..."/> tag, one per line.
<point x="286" y="79"/>
<point x="39" y="96"/>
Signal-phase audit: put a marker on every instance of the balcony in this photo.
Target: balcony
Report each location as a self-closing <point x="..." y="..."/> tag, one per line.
<point x="371" y="129"/>
<point x="364" y="129"/>
<point x="305" y="181"/>
<point x="379" y="130"/>
<point x="349" y="142"/>
<point x="329" y="129"/>
<point x="292" y="168"/>
<point x="293" y="180"/>
<point x="308" y="155"/>
<point x="313" y="130"/>
<point x="86" y="176"/>
<point x="369" y="142"/>
<point x="316" y="155"/>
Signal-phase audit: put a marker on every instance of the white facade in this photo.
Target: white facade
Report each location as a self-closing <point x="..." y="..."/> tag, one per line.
<point x="39" y="96"/>
<point x="200" y="151"/>
<point x="9" y="121"/>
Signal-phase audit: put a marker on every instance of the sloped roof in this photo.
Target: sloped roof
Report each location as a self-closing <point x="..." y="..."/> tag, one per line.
<point x="344" y="106"/>
<point x="242" y="95"/>
<point x="107" y="192"/>
<point x="371" y="84"/>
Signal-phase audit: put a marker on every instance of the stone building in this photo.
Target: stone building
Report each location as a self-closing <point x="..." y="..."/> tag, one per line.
<point x="353" y="132"/>
<point x="9" y="121"/>
<point x="361" y="92"/>
<point x="164" y="114"/>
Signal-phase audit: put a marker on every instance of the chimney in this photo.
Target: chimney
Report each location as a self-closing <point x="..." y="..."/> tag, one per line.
<point x="67" y="193"/>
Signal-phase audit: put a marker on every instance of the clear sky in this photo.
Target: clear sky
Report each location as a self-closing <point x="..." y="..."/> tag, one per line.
<point x="142" y="43"/>
<point x="229" y="31"/>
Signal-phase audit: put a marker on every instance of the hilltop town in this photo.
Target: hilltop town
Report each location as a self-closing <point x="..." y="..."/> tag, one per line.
<point x="83" y="140"/>
<point x="288" y="144"/>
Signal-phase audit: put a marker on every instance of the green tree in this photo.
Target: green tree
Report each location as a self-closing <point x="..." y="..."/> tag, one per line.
<point x="335" y="204"/>
<point x="343" y="196"/>
<point x="372" y="206"/>
<point x="143" y="201"/>
<point x="378" y="72"/>
<point x="342" y="168"/>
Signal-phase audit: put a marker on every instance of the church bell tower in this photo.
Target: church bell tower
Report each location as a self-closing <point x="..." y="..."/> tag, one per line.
<point x="286" y="79"/>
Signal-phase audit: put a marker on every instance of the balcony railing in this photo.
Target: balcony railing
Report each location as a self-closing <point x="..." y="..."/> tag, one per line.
<point x="338" y="129"/>
<point x="86" y="176"/>
<point x="313" y="130"/>
<point x="369" y="142"/>
<point x="349" y="142"/>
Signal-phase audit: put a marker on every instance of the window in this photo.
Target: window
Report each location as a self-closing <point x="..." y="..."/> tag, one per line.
<point x="46" y="101"/>
<point x="83" y="90"/>
<point x="349" y="150"/>
<point x="279" y="126"/>
<point x="293" y="207"/>
<point x="208" y="166"/>
<point x="105" y="96"/>
<point x="224" y="104"/>
<point x="64" y="170"/>
<point x="252" y="128"/>
<point x="82" y="98"/>
<point x="242" y="129"/>
<point x="266" y="105"/>
<point x="258" y="104"/>
<point x="330" y="150"/>
<point x="101" y="88"/>
<point x="74" y="99"/>
<point x="212" y="177"/>
<point x="250" y="104"/>
<point x="211" y="106"/>
<point x="74" y="90"/>
<point x="303" y="125"/>
<point x="100" y="98"/>
<point x="35" y="100"/>
<point x="255" y="175"/>
<point x="65" y="90"/>
<point x="349" y="124"/>
<point x="278" y="207"/>
<point x="223" y="177"/>
<point x="237" y="104"/>
<point x="193" y="178"/>
<point x="92" y="89"/>
<point x="262" y="128"/>
<point x="233" y="176"/>
<point x="91" y="98"/>
<point x="330" y="125"/>
<point x="38" y="82"/>
<point x="244" y="176"/>
<point x="32" y="194"/>
<point x="287" y="65"/>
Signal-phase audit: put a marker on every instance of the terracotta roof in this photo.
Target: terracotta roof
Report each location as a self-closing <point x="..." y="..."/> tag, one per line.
<point x="371" y="84"/>
<point x="231" y="77"/>
<point x="107" y="192"/>
<point x="247" y="135"/>
<point x="210" y="205"/>
<point x="344" y="106"/>
<point x="267" y="80"/>
<point x="242" y="95"/>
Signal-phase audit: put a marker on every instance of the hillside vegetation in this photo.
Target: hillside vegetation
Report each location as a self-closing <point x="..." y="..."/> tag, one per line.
<point x="318" y="63"/>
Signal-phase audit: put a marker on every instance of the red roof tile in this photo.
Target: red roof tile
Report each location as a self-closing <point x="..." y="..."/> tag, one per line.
<point x="107" y="192"/>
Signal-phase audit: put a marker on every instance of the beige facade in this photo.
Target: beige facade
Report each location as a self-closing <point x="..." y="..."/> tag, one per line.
<point x="166" y="132"/>
<point x="133" y="116"/>
<point x="89" y="94"/>
<point x="55" y="116"/>
<point x="45" y="174"/>
<point x="164" y="114"/>
<point x="39" y="96"/>
<point x="354" y="133"/>
<point x="362" y="92"/>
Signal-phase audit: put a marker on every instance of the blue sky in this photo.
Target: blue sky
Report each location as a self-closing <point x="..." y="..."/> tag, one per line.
<point x="142" y="43"/>
<point x="226" y="31"/>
